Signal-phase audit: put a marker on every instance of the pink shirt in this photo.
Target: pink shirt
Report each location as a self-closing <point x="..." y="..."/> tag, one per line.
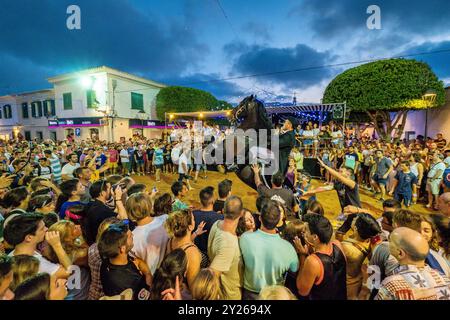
<point x="113" y="155"/>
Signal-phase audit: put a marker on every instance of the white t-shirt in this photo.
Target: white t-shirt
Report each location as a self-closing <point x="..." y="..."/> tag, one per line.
<point x="181" y="160"/>
<point x="45" y="266"/>
<point x="225" y="256"/>
<point x="150" y="242"/>
<point x="447" y="162"/>
<point x="68" y="169"/>
<point x="336" y="134"/>
<point x="316" y="132"/>
<point x="308" y="133"/>
<point x="175" y="155"/>
<point x="124" y="155"/>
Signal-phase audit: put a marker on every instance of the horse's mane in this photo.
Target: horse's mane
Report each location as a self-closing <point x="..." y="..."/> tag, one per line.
<point x="257" y="116"/>
<point x="263" y="116"/>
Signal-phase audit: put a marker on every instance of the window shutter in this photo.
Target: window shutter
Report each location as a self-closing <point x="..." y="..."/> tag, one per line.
<point x="33" y="109"/>
<point x="7" y="111"/>
<point x="52" y="108"/>
<point x="46" y="108"/>
<point x="39" y="106"/>
<point x="90" y="96"/>
<point x="137" y="101"/>
<point x="67" y="101"/>
<point x="25" y="114"/>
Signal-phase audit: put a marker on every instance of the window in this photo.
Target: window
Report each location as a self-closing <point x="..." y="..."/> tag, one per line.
<point x="25" y="114"/>
<point x="40" y="109"/>
<point x="53" y="135"/>
<point x="39" y="135"/>
<point x="91" y="99"/>
<point x="1" y="113"/>
<point x="28" y="135"/>
<point x="67" y="101"/>
<point x="7" y="111"/>
<point x="33" y="109"/>
<point x="46" y="113"/>
<point x="137" y="101"/>
<point x="49" y="108"/>
<point x="52" y="108"/>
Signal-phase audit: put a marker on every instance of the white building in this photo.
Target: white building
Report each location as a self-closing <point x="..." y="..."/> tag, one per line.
<point x="100" y="102"/>
<point x="435" y="120"/>
<point x="9" y="121"/>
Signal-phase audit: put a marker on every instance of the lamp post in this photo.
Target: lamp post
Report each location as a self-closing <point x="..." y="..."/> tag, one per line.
<point x="142" y="115"/>
<point x="429" y="97"/>
<point x="113" y="109"/>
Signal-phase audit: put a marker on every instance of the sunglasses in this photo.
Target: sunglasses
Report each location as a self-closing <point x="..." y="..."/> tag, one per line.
<point x="121" y="227"/>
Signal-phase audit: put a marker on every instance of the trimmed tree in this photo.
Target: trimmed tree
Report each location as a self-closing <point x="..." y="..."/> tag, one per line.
<point x="183" y="99"/>
<point x="384" y="87"/>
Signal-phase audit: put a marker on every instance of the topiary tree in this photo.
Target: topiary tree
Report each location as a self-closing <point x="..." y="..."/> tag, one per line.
<point x="384" y="87"/>
<point x="183" y="99"/>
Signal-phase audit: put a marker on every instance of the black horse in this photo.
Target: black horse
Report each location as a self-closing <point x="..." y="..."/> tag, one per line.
<point x="250" y="114"/>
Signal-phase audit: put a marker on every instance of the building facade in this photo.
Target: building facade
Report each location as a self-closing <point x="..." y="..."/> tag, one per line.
<point x="430" y="122"/>
<point x="100" y="103"/>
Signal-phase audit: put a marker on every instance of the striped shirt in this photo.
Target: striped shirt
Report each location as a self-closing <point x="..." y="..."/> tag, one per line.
<point x="56" y="168"/>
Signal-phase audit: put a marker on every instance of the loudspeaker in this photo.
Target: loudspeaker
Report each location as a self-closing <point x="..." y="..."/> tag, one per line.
<point x="311" y="165"/>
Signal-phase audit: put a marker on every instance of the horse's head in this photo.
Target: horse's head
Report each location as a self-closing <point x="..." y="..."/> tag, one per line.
<point x="241" y="111"/>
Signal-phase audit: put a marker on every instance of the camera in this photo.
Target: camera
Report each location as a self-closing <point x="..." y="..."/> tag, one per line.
<point x="114" y="186"/>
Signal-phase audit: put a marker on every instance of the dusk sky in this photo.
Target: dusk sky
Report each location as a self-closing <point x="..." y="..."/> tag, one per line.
<point x="187" y="42"/>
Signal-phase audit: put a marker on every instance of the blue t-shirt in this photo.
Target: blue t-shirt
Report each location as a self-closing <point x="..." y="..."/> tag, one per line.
<point x="447" y="177"/>
<point x="66" y="205"/>
<point x="405" y="182"/>
<point x="131" y="153"/>
<point x="100" y="161"/>
<point x="267" y="259"/>
<point x="159" y="159"/>
<point x="383" y="166"/>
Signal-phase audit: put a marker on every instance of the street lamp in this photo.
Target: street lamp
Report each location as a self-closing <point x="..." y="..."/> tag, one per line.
<point x="142" y="115"/>
<point x="430" y="97"/>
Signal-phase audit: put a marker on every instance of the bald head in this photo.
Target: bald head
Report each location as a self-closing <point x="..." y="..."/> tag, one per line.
<point x="444" y="204"/>
<point x="411" y="242"/>
<point x="233" y="208"/>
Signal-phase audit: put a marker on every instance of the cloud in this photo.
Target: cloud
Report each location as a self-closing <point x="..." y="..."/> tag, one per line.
<point x="341" y="19"/>
<point x="223" y="90"/>
<point x="259" y="59"/>
<point x="257" y="30"/>
<point x="21" y="75"/>
<point x="439" y="62"/>
<point x="112" y="33"/>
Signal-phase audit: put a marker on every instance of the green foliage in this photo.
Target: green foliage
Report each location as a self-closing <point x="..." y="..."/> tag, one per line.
<point x="388" y="85"/>
<point x="183" y="99"/>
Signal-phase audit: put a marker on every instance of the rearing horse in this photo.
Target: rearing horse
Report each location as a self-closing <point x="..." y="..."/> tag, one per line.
<point x="250" y="114"/>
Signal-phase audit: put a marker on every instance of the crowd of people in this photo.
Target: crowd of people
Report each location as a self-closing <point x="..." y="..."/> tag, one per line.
<point x="75" y="225"/>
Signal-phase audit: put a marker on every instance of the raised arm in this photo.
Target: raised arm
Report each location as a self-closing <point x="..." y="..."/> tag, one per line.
<point x="256" y="170"/>
<point x="348" y="182"/>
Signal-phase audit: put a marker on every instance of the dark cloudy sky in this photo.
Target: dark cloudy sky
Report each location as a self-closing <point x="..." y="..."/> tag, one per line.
<point x="188" y="42"/>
